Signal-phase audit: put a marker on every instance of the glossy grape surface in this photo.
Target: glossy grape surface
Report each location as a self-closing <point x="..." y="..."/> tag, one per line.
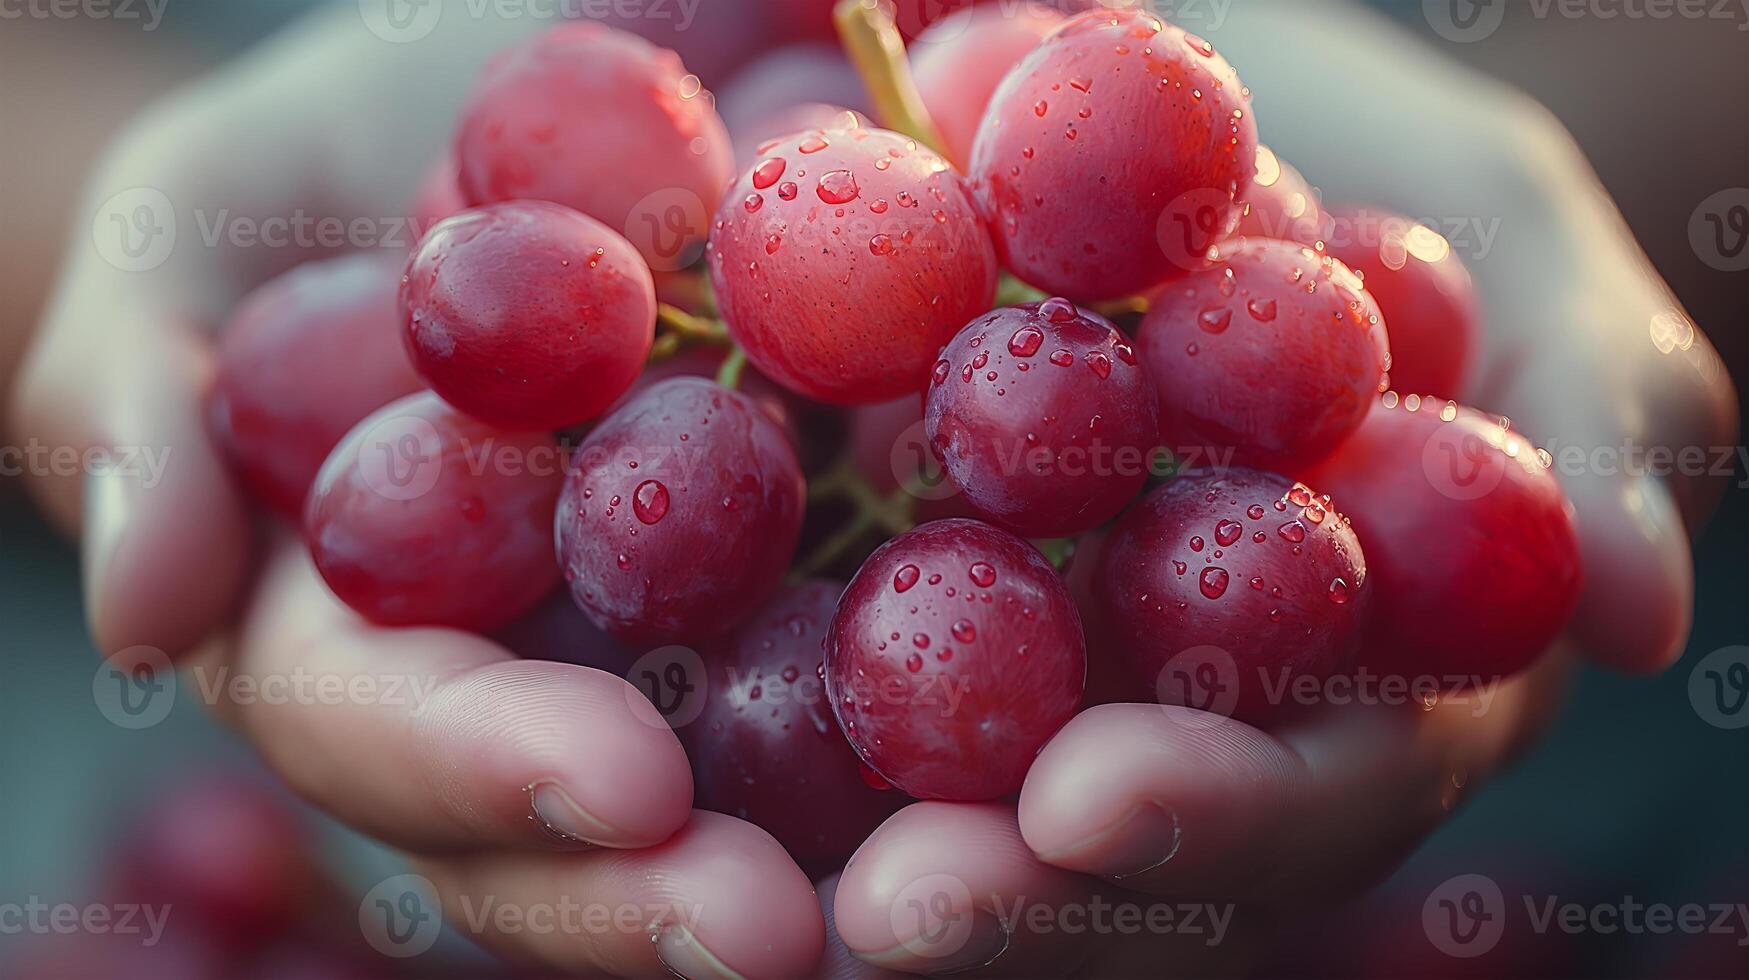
<point x="1112" y="155"/>
<point x="302" y="360"/>
<point x="424" y="516"/>
<point x="1226" y="590"/>
<point x="528" y="314"/>
<point x="604" y="122"/>
<point x="955" y="654"/>
<point x="1472" y="546"/>
<point x="680" y="513"/>
<point x="1267" y="357"/>
<point x="843" y="259"/>
<point x="1044" y="416"/>
<point x="765" y="747"/>
<point x="1424" y="292"/>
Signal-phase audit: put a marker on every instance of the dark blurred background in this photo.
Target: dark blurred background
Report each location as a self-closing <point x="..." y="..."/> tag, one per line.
<point x="1633" y="795"/>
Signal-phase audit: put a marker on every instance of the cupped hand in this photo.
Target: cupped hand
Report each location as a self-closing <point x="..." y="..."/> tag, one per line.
<point x="525" y="785"/>
<point x="1146" y="805"/>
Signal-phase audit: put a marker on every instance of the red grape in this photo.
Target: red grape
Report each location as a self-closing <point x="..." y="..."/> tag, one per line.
<point x="1282" y="204"/>
<point x="1424" y="292"/>
<point x="528" y="314"/>
<point x="955" y="654"/>
<point x="1267" y="357"/>
<point x="303" y="359"/>
<point x="1044" y="416"/>
<point x="765" y="746"/>
<point x="844" y="259"/>
<point x="1222" y="589"/>
<point x="680" y="513"/>
<point x="604" y="122"/>
<point x="960" y="59"/>
<point x="424" y="516"/>
<point x="1474" y="555"/>
<point x="1113" y="154"/>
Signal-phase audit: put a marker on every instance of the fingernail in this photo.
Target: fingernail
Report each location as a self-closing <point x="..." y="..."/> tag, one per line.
<point x="687" y="958"/>
<point x="988" y="941"/>
<point x="561" y="815"/>
<point x="941" y="948"/>
<point x="1146" y="838"/>
<point x="108" y="505"/>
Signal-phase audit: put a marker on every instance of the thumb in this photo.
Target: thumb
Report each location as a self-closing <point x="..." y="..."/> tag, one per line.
<point x="165" y="537"/>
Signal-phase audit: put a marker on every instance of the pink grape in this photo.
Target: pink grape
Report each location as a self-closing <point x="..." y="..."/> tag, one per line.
<point x="1112" y="155"/>
<point x="1225" y="590"/>
<point x="1044" y="415"/>
<point x="845" y="258"/>
<point x="1282" y="204"/>
<point x="528" y="314"/>
<point x="1269" y="356"/>
<point x="424" y="516"/>
<point x="604" y="122"/>
<point x="680" y="513"/>
<point x="955" y="654"/>
<point x="302" y="360"/>
<point x="1474" y="553"/>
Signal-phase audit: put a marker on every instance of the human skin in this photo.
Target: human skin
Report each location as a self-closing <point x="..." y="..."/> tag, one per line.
<point x="121" y="359"/>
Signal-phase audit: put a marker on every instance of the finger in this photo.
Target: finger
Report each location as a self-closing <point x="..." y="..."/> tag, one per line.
<point x="837" y="963"/>
<point x="1127" y="789"/>
<point x="1325" y="807"/>
<point x="166" y="539"/>
<point x="433" y="738"/>
<point x="1636" y="598"/>
<point x="928" y="892"/>
<point x="683" y="907"/>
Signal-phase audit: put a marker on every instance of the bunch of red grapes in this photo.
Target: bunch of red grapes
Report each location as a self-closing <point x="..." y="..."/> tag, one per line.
<point x="1177" y="461"/>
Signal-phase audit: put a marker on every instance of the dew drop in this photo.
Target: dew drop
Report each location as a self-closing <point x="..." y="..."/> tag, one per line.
<point x="983" y="574"/>
<point x="1215" y="319"/>
<point x="905" y="577"/>
<point x="767" y="172"/>
<point x="1213" y="582"/>
<point x="1227" y="532"/>
<point x="650" y="501"/>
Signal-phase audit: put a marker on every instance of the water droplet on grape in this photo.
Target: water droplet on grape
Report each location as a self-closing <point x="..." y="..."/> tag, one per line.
<point x="650" y="501"/>
<point x="905" y="577"/>
<point x="983" y="575"/>
<point x="1213" y="582"/>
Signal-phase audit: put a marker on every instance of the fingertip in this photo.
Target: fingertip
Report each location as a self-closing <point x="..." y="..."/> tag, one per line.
<point x="166" y="549"/>
<point x="1636" y="602"/>
<point x="714" y="860"/>
<point x="587" y="756"/>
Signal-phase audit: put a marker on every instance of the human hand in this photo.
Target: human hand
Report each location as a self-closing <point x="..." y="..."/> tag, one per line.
<point x="527" y="783"/>
<point x="1584" y="347"/>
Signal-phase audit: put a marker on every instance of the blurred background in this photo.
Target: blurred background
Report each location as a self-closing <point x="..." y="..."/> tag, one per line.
<point x="1634" y="794"/>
